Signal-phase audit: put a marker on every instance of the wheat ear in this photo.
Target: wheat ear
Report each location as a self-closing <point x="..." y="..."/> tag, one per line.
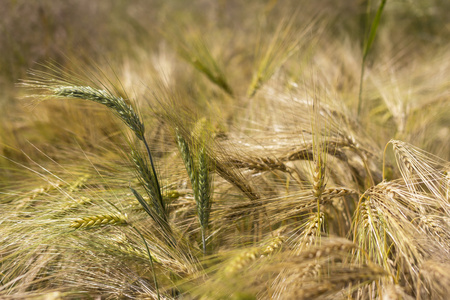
<point x="204" y="192"/>
<point x="100" y="220"/>
<point x="117" y="104"/>
<point x="200" y="177"/>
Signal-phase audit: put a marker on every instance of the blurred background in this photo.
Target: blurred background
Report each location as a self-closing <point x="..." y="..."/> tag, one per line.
<point x="135" y="38"/>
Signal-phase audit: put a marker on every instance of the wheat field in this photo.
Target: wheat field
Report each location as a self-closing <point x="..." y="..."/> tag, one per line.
<point x="225" y="149"/>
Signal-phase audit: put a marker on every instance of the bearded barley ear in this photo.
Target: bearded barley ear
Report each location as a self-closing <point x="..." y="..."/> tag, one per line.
<point x="117" y="104"/>
<point x="100" y="220"/>
<point x="313" y="229"/>
<point x="259" y="164"/>
<point x="199" y="171"/>
<point x="242" y="260"/>
<point x="273" y="246"/>
<point x="204" y="200"/>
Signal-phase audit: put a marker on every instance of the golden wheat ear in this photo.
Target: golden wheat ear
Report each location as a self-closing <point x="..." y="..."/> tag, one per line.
<point x="423" y="171"/>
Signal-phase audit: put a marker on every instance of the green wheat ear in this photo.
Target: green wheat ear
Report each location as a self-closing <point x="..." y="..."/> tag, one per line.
<point x="193" y="48"/>
<point x="198" y="166"/>
<point x="117" y="104"/>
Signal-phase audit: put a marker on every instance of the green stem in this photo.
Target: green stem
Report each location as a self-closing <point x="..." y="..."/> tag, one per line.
<point x="361" y="79"/>
<point x="151" y="262"/>
<point x="151" y="163"/>
<point x="203" y="241"/>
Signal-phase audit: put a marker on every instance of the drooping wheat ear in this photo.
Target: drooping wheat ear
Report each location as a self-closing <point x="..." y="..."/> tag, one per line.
<point x="248" y="256"/>
<point x="259" y="164"/>
<point x="121" y="244"/>
<point x="421" y="171"/>
<point x="41" y="191"/>
<point x="275" y="244"/>
<point x="403" y="156"/>
<point x="331" y="279"/>
<point x="306" y="151"/>
<point x="239" y="211"/>
<point x="100" y="220"/>
<point x="313" y="292"/>
<point x="335" y="246"/>
<point x="117" y="104"/>
<point x="77" y="202"/>
<point x="236" y="179"/>
<point x="242" y="260"/>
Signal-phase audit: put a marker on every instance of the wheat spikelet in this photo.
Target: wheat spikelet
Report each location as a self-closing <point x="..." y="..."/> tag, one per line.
<point x="311" y="270"/>
<point x="100" y="220"/>
<point x="313" y="229"/>
<point x="273" y="246"/>
<point x="318" y="180"/>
